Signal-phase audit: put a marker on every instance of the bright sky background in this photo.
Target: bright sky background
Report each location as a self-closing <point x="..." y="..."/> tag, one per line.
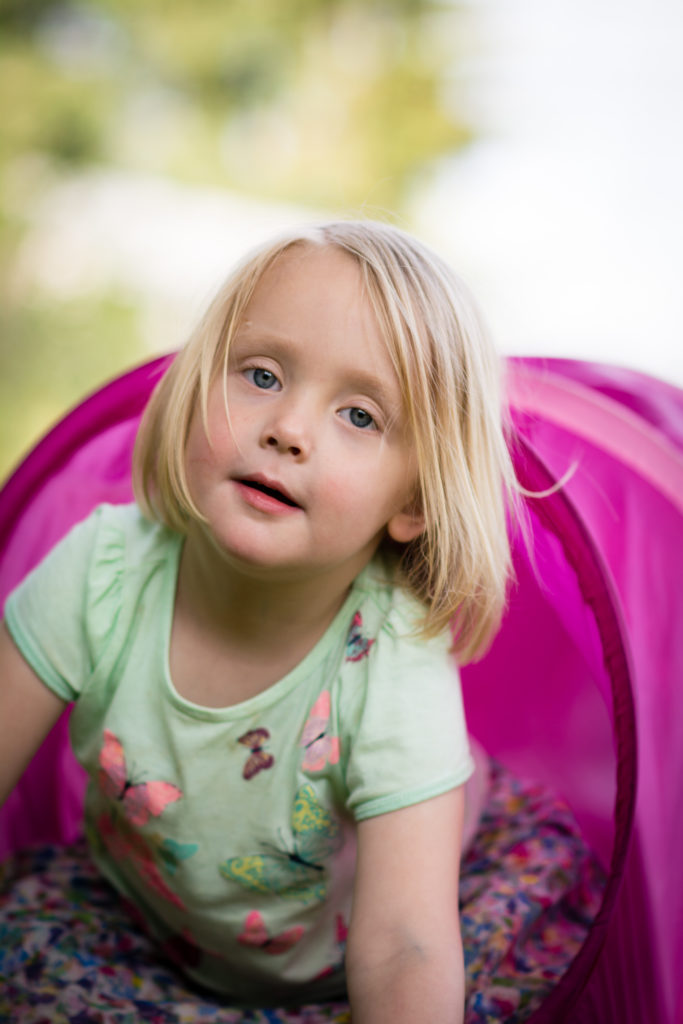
<point x="567" y="218"/>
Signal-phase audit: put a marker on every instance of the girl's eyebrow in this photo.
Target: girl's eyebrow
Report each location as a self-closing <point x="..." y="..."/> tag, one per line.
<point x="248" y="333"/>
<point x="248" y="327"/>
<point x="369" y="384"/>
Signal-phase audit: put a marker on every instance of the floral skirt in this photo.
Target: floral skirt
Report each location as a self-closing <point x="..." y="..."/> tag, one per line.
<point x="529" y="890"/>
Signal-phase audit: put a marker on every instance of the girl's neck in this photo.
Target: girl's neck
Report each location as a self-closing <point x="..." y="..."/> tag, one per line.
<point x="235" y="634"/>
<point x="249" y="609"/>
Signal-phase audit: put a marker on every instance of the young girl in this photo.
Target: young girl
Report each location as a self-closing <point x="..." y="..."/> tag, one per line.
<point x="261" y="650"/>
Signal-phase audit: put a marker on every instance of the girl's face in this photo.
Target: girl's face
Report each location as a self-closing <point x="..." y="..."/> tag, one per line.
<point x="314" y="465"/>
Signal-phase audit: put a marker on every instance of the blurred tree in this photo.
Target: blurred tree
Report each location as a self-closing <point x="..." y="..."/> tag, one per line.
<point x="64" y="350"/>
<point x="269" y="96"/>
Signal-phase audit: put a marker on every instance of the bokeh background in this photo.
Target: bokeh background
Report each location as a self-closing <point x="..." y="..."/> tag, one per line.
<point x="145" y="144"/>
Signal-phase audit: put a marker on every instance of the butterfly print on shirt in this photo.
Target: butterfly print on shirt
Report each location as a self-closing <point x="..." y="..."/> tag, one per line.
<point x="133" y="804"/>
<point x="357" y="645"/>
<point x="321" y="748"/>
<point x="140" y="801"/>
<point x="341" y="935"/>
<point x="299" y="871"/>
<point x="256" y="934"/>
<point x="125" y="843"/>
<point x="171" y="853"/>
<point x="259" y="759"/>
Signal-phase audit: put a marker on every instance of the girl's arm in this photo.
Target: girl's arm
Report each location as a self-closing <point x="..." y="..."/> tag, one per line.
<point x="404" y="958"/>
<point x="28" y="710"/>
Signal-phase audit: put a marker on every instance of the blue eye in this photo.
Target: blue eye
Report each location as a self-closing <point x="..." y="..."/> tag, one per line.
<point x="359" y="418"/>
<point x="261" y="378"/>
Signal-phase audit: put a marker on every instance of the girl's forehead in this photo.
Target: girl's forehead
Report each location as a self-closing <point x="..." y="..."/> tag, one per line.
<point x="301" y="264"/>
<point x="308" y="289"/>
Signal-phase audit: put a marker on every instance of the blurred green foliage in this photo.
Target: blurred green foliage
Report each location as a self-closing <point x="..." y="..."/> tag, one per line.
<point x="82" y="344"/>
<point x="337" y="104"/>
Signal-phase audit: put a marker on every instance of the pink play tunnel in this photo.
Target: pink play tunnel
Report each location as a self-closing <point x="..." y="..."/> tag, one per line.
<point x="579" y="688"/>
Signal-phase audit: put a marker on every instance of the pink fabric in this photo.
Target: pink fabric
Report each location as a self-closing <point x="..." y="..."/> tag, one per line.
<point x="84" y="460"/>
<point x="633" y="511"/>
<point x="594" y="418"/>
<point x="579" y="688"/>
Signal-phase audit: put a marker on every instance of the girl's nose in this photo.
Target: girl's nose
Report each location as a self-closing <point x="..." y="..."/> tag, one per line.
<point x="288" y="433"/>
<point x="275" y="440"/>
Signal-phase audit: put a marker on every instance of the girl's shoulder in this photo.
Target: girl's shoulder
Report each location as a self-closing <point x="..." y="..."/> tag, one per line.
<point x="401" y="728"/>
<point x="126" y="524"/>
<point x="118" y="538"/>
<point x="86" y="591"/>
<point x="392" y="616"/>
<point x="91" y="571"/>
<point x="386" y="656"/>
<point x="128" y="553"/>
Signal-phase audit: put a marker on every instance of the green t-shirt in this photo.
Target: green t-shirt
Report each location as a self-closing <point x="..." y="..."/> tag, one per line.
<point x="232" y="829"/>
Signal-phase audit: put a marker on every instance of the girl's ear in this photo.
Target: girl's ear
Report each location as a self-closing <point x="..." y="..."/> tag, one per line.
<point x="407" y="524"/>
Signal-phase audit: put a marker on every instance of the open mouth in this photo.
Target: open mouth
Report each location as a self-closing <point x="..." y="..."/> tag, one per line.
<point x="271" y="491"/>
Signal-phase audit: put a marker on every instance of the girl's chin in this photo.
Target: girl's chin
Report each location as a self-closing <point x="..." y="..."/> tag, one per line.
<point x="260" y="562"/>
<point x="256" y="567"/>
<point x="275" y="559"/>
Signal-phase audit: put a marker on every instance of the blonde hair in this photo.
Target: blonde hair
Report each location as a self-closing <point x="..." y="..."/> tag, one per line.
<point x="450" y="380"/>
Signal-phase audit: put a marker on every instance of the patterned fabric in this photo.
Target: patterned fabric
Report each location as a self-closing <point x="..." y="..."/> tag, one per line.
<point x="71" y="952"/>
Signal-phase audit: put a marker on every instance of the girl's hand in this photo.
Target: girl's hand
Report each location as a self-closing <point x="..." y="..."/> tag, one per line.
<point x="28" y="710"/>
<point x="404" y="957"/>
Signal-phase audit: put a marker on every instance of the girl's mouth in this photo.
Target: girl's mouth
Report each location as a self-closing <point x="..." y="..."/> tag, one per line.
<point x="272" y="492"/>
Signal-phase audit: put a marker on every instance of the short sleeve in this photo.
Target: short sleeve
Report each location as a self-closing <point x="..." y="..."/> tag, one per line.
<point x="46" y="615"/>
<point x="408" y="740"/>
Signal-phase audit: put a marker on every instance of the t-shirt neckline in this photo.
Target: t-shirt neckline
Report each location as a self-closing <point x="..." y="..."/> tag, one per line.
<point x="330" y="640"/>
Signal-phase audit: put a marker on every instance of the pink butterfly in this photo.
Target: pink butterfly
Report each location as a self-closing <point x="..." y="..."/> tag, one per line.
<point x="140" y="802"/>
<point x="151" y="874"/>
<point x="341" y="935"/>
<point x="321" y="748"/>
<point x="256" y="934"/>
<point x="124" y="843"/>
<point x="258" y="760"/>
<point x="357" y="645"/>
